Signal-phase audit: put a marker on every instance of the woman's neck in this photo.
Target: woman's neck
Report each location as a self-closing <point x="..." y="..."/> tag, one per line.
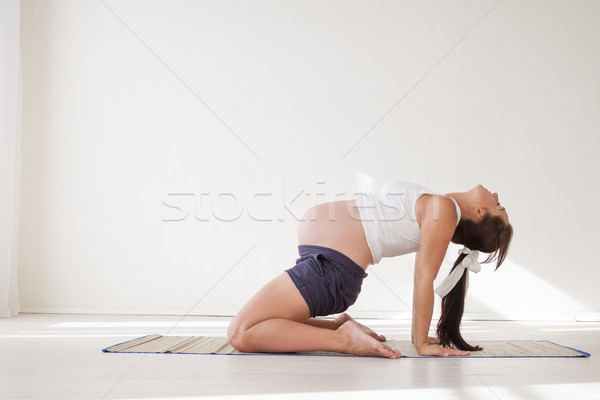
<point x="462" y="199"/>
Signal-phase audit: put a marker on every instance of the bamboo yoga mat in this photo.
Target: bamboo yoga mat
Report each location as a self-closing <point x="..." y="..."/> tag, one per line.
<point x="220" y="345"/>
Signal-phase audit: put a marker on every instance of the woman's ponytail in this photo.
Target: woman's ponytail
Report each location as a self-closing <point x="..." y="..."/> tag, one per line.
<point x="453" y="305"/>
<point x="491" y="235"/>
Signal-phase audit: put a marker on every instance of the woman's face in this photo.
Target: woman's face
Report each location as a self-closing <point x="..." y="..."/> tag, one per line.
<point x="487" y="202"/>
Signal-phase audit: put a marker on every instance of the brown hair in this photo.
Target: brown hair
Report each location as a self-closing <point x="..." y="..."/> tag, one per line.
<point x="491" y="235"/>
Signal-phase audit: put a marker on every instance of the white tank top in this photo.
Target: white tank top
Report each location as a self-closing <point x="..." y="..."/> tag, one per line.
<point x="389" y="218"/>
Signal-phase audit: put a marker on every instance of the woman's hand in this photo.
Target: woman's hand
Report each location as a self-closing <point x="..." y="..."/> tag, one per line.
<point x="433" y="340"/>
<point x="431" y="349"/>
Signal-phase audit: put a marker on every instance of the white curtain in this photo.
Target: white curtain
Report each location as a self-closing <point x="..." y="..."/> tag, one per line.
<point x="10" y="153"/>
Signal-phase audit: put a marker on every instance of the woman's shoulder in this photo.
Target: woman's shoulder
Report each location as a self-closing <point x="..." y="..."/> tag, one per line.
<point x="436" y="209"/>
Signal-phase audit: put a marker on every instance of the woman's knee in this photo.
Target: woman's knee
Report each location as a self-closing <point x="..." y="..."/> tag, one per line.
<point x="235" y="335"/>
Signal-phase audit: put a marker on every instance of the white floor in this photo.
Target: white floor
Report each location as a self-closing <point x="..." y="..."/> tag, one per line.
<point x="58" y="356"/>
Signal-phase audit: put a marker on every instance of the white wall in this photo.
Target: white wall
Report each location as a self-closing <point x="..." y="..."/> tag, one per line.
<point x="130" y="105"/>
<point x="10" y="128"/>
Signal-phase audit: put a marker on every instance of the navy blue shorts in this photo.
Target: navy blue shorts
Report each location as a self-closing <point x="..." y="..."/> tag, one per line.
<point x="328" y="280"/>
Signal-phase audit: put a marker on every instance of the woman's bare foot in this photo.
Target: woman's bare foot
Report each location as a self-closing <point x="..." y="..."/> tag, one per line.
<point x="343" y="318"/>
<point x="357" y="341"/>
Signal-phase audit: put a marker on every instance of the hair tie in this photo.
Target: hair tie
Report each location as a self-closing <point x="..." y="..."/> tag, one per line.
<point x="470" y="262"/>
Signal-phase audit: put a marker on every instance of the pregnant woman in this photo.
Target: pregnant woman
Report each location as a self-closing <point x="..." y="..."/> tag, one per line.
<point x="339" y="240"/>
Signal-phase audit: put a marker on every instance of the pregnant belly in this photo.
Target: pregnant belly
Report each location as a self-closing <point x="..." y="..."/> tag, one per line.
<point x="336" y="225"/>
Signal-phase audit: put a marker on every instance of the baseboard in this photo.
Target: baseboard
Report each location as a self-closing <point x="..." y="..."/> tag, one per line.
<point x="556" y="317"/>
<point x="126" y="311"/>
<point x="549" y="317"/>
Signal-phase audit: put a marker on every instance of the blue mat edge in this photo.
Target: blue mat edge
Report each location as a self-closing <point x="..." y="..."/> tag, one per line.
<point x="582" y="354"/>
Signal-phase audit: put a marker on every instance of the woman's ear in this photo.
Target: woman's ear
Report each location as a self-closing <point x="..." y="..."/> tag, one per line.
<point x="479" y="213"/>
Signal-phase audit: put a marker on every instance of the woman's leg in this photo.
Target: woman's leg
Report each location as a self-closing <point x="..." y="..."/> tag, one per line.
<point x="339" y="321"/>
<point x="273" y="321"/>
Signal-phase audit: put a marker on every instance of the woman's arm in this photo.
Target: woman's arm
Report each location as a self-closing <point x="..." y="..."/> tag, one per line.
<point x="430" y="340"/>
<point x="436" y="234"/>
